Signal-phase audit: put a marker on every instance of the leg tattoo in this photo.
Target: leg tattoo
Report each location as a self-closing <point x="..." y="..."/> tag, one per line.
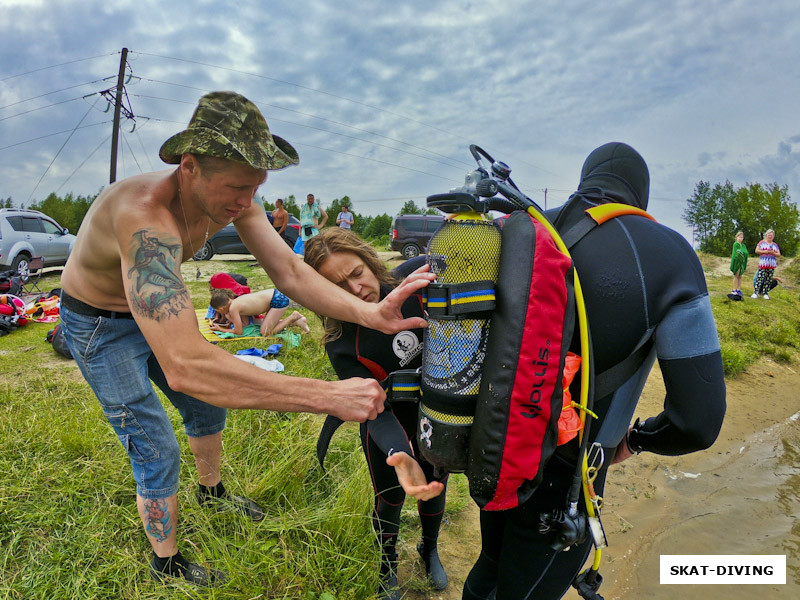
<point x="157" y="519"/>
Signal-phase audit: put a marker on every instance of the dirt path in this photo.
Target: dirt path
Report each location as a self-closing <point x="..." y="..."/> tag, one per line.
<point x="677" y="505"/>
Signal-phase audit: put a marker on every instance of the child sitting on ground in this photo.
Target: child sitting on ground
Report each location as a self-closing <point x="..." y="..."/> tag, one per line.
<point x="270" y="303"/>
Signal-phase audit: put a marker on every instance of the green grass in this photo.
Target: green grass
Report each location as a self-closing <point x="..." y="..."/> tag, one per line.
<point x="68" y="521"/>
<point x="754" y="328"/>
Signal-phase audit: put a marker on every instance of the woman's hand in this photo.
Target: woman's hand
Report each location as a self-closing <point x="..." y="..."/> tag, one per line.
<point x="411" y="477"/>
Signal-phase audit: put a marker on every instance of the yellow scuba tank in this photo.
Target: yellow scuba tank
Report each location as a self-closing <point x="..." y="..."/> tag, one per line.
<point x="464" y="254"/>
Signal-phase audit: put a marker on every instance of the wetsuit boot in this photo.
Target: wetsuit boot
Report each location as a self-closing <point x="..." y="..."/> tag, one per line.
<point x="388" y="588"/>
<point x="433" y="566"/>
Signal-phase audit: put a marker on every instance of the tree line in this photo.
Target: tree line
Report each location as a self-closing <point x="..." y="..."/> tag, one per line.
<point x="716" y="213"/>
<point x="69" y="211"/>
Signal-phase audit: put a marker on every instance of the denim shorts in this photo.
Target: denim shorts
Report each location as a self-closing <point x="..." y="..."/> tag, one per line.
<point x="116" y="360"/>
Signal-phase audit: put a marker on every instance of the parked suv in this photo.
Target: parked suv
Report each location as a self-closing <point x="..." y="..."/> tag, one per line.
<point x="411" y="233"/>
<point x="227" y="240"/>
<point x="26" y="233"/>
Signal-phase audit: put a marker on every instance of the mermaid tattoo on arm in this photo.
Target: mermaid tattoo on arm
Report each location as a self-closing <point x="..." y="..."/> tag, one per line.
<point x="157" y="290"/>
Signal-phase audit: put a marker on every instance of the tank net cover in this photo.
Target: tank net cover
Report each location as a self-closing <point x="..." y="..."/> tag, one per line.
<point x="462" y="251"/>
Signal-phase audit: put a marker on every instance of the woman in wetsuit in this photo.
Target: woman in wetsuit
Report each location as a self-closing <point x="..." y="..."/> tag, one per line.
<point x="388" y="442"/>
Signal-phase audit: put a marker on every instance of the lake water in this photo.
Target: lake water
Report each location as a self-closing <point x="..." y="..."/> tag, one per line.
<point x="746" y="503"/>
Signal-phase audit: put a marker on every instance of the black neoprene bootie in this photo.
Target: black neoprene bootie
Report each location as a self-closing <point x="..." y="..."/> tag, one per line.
<point x="389" y="588"/>
<point x="433" y="566"/>
<point x="219" y="498"/>
<point x="177" y="567"/>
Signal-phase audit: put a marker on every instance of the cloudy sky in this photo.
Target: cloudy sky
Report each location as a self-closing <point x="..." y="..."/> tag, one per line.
<point x="382" y="99"/>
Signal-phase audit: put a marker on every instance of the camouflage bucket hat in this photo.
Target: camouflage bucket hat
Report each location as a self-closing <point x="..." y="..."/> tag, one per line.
<point x="228" y="125"/>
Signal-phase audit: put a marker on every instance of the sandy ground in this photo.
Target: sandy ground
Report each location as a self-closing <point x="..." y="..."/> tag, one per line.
<point x="674" y="505"/>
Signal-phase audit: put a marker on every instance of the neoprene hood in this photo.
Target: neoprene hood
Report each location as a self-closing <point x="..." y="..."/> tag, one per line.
<point x="615" y="172"/>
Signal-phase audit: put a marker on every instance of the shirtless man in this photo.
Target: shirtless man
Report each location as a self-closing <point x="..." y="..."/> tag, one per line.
<point x="127" y="314"/>
<point x="280" y="218"/>
<point x="270" y="303"/>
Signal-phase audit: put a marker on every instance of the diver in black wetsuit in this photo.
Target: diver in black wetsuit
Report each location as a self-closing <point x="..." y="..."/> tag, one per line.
<point x="355" y="351"/>
<point x="646" y="298"/>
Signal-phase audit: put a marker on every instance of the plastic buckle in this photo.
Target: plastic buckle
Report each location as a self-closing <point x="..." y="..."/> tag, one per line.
<point x="404" y="385"/>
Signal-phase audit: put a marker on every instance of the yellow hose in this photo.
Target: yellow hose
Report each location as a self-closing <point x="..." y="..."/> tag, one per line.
<point x="583" y="328"/>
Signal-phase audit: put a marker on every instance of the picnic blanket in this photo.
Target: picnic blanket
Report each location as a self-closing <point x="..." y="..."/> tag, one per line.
<point x="250" y="332"/>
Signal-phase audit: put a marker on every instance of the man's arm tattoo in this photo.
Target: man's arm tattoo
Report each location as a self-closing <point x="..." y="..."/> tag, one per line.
<point x="157" y="290"/>
<point x="156" y="519"/>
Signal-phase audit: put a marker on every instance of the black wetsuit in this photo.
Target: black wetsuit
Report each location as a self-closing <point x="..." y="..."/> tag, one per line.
<point x="362" y="352"/>
<point x="641" y="281"/>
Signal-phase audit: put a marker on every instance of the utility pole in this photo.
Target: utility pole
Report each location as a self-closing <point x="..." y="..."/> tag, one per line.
<point x="545" y="198"/>
<point x="117" y="108"/>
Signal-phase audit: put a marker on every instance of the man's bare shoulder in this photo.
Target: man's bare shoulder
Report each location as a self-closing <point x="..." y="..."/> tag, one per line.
<point x="93" y="273"/>
<point x="147" y="191"/>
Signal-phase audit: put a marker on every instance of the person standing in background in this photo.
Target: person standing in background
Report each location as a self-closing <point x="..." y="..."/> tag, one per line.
<point x="280" y="218"/>
<point x="310" y="216"/>
<point x="345" y="219"/>
<point x="768" y="253"/>
<point x="739" y="257"/>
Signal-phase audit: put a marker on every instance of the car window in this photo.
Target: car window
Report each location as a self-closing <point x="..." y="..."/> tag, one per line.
<point x="16" y="223"/>
<point x="32" y="224"/>
<point x="50" y="227"/>
<point x="432" y="225"/>
<point x="413" y="225"/>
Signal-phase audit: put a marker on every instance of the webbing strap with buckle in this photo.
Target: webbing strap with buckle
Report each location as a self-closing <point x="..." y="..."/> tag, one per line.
<point x="403" y="386"/>
<point x="451" y="300"/>
<point x="400" y="386"/>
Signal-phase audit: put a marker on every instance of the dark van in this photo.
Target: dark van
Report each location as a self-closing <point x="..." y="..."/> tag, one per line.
<point x="411" y="233"/>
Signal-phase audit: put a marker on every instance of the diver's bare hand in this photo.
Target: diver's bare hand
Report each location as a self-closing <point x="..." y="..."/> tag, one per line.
<point x="411" y="477"/>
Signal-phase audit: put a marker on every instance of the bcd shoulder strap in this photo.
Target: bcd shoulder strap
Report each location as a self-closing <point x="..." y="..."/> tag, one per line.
<point x="610" y="379"/>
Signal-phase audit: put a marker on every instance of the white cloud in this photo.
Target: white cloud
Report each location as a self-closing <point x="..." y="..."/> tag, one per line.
<point x="702" y="90"/>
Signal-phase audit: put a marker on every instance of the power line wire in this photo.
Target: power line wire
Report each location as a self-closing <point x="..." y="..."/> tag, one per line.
<point x="373" y="160"/>
<point x="127" y="143"/>
<point x="262" y="103"/>
<point x="85" y="160"/>
<point x="297" y="85"/>
<point x="41" y="137"/>
<point x="48" y="106"/>
<point x="141" y="143"/>
<point x="54" y="92"/>
<point x="334" y="96"/>
<point x="59" y="150"/>
<point x="58" y="65"/>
